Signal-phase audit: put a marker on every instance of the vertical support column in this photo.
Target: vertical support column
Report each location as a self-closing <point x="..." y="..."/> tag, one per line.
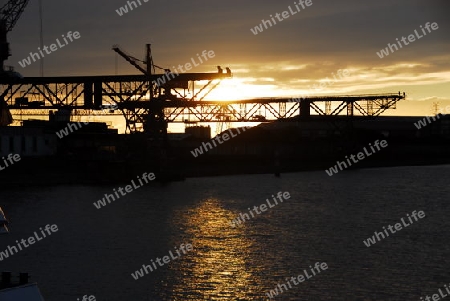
<point x="305" y="108"/>
<point x="327" y="107"/>
<point x="349" y="108"/>
<point x="98" y="95"/>
<point x="369" y="107"/>
<point x="282" y="110"/>
<point x="149" y="62"/>
<point x="242" y="111"/>
<point x="87" y="91"/>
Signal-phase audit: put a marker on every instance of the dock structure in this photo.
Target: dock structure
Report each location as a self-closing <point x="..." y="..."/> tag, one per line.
<point x="149" y="107"/>
<point x="150" y="101"/>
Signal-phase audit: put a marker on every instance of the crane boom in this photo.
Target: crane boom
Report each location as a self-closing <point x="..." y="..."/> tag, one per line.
<point x="130" y="59"/>
<point x="11" y="11"/>
<point x="137" y="63"/>
<point x="9" y="15"/>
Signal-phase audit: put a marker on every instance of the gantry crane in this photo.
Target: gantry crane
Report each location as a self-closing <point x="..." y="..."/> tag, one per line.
<point x="9" y="15"/>
<point x="152" y="115"/>
<point x="154" y="118"/>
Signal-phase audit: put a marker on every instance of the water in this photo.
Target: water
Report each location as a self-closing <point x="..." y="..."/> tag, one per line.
<point x="325" y="220"/>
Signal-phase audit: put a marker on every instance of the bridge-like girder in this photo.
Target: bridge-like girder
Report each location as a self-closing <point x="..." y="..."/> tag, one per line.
<point x="84" y="94"/>
<point x="148" y="106"/>
<point x="270" y="109"/>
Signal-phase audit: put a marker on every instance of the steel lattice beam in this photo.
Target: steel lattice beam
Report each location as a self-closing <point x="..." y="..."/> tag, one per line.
<point x="142" y="102"/>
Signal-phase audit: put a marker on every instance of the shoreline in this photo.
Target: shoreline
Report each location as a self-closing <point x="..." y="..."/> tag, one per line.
<point x="110" y="176"/>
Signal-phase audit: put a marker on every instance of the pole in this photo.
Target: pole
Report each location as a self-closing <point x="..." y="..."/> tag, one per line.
<point x="41" y="38"/>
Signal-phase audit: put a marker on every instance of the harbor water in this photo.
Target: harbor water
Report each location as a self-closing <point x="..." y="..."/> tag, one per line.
<point x="325" y="220"/>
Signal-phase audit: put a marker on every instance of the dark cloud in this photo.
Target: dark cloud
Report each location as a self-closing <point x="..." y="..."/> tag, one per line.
<point x="327" y="36"/>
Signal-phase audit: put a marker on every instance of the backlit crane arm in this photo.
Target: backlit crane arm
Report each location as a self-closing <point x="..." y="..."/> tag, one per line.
<point x="11" y="11"/>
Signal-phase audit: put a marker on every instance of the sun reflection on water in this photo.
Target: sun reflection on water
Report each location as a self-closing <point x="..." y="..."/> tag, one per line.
<point x="220" y="267"/>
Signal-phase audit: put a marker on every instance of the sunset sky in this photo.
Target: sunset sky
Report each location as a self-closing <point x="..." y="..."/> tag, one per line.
<point x="283" y="60"/>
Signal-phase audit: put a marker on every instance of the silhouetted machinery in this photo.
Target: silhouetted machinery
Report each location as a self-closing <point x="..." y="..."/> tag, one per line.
<point x="9" y="15"/>
<point x="163" y="91"/>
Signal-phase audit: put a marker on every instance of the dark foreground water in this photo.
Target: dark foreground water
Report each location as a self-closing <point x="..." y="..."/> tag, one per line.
<point x="326" y="220"/>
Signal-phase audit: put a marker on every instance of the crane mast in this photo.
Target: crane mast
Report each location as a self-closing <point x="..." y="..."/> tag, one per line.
<point x="9" y="15"/>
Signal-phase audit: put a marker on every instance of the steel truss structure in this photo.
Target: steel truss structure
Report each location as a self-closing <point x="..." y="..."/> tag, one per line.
<point x="271" y="109"/>
<point x="149" y="107"/>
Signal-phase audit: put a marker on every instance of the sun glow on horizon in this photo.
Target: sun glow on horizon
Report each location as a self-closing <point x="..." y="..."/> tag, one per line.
<point x="248" y="88"/>
<point x="241" y="88"/>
